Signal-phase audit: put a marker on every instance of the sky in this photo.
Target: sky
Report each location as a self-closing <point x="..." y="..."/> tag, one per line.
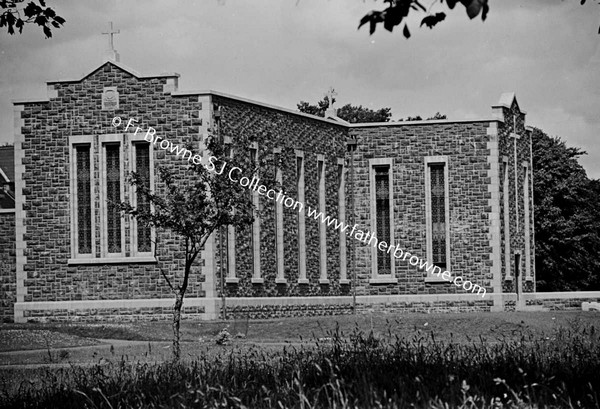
<point x="283" y="51"/>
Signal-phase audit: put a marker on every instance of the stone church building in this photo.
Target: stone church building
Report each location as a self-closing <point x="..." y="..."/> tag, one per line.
<point x="457" y="193"/>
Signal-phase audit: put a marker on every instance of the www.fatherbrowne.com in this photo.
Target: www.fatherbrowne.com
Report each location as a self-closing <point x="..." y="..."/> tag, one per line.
<point x="234" y="174"/>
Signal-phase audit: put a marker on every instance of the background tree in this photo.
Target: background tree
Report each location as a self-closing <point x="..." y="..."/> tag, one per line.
<point x="350" y="113"/>
<point x="193" y="206"/>
<point x="567" y="218"/>
<point x="437" y="115"/>
<point x="397" y="11"/>
<point x="15" y="16"/>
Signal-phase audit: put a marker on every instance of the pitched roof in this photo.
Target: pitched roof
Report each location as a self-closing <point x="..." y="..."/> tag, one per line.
<point x="506" y="101"/>
<point x="123" y="67"/>
<point x="7" y="163"/>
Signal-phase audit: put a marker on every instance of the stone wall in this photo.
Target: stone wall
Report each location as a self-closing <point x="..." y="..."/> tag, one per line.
<point x="321" y="306"/>
<point x="270" y="129"/>
<point x="111" y="314"/>
<point x="74" y="109"/>
<point x="8" y="285"/>
<point x="465" y="145"/>
<point x="562" y="301"/>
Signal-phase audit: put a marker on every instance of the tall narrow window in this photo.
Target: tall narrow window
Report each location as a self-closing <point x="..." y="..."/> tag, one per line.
<point x="142" y="169"/>
<point x="342" y="217"/>
<point x="113" y="198"/>
<point x="255" y="238"/>
<point x="382" y="221"/>
<point x="382" y="211"/>
<point x="279" y="220"/>
<point x="84" y="204"/>
<point x="506" y="205"/>
<point x="301" y="219"/>
<point x="437" y="215"/>
<point x="322" y="209"/>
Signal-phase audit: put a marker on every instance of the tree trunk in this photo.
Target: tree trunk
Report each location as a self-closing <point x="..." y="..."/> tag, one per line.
<point x="176" y="322"/>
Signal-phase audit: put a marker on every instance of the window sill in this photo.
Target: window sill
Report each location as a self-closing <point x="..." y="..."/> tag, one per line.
<point x="529" y="278"/>
<point x="508" y="278"/>
<point x="303" y="281"/>
<point x="436" y="280"/>
<point x="383" y="280"/>
<point x="324" y="281"/>
<point x="111" y="260"/>
<point x="231" y="280"/>
<point x="344" y="282"/>
<point x="258" y="280"/>
<point x="280" y="281"/>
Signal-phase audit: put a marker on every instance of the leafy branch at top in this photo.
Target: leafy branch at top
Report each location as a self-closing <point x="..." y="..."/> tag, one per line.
<point x="397" y="12"/>
<point x="14" y="17"/>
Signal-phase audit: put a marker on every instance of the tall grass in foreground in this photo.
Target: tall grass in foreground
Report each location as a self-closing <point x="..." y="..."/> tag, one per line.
<point x="347" y="371"/>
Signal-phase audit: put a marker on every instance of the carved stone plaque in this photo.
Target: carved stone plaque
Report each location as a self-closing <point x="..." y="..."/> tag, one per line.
<point x="110" y="99"/>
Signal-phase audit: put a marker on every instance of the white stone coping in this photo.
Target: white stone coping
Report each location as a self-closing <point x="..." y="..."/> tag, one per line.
<point x="30" y="101"/>
<point x="422" y="122"/>
<point x="436" y="280"/>
<point x="111" y="260"/>
<point x="383" y="280"/>
<point x="7" y="211"/>
<point x="119" y="65"/>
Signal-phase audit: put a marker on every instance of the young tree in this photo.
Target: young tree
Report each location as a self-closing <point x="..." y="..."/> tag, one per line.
<point x="194" y="204"/>
<point x="13" y="16"/>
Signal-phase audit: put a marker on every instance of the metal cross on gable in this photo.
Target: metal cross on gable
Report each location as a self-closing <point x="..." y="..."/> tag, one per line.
<point x="111" y="32"/>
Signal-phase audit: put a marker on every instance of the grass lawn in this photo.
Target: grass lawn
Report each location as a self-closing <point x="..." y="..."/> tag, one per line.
<point x="492" y="360"/>
<point x="461" y="327"/>
<point x="32" y="344"/>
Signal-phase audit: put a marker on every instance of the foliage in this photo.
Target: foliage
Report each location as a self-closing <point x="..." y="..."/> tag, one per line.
<point x="195" y="204"/>
<point x="360" y="114"/>
<point x="33" y="12"/>
<point x="397" y="11"/>
<point x="567" y="218"/>
<point x="436" y="116"/>
<point x="355" y="370"/>
<point x="357" y="114"/>
<point x="350" y="113"/>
